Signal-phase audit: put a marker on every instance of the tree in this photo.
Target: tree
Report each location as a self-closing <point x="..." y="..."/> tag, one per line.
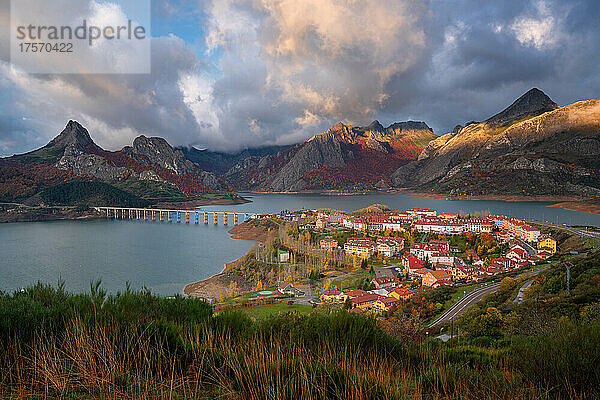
<point x="348" y="303"/>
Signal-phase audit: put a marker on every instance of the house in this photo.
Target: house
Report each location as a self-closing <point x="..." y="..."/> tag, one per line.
<point x="517" y="254"/>
<point x="389" y="246"/>
<point x="336" y="218"/>
<point x="547" y="243"/>
<point x="365" y="302"/>
<point x="385" y="303"/>
<point x="517" y="228"/>
<point x="420" y="273"/>
<point x="283" y="256"/>
<point x="405" y="293"/>
<point x="418" y="249"/>
<point x="333" y="296"/>
<point x="464" y="272"/>
<point x="442" y="257"/>
<point x="411" y="263"/>
<point x="328" y="243"/>
<point x="478" y="225"/>
<point x="421" y="212"/>
<point x="288" y="288"/>
<point x="439" y="226"/>
<point x="432" y="278"/>
<point x="320" y="224"/>
<point x="502" y="237"/>
<point x="500" y="264"/>
<point x="386" y="282"/>
<point x="544" y="254"/>
<point x="362" y="247"/>
<point x="355" y="293"/>
<point x="448" y="216"/>
<point x="442" y="244"/>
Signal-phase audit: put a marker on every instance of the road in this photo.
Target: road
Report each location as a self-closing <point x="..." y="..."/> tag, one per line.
<point x="463" y="305"/>
<point x="576" y="231"/>
<point x="522" y="289"/>
<point x="474" y="297"/>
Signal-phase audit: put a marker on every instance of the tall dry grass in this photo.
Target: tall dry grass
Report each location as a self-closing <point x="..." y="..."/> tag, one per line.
<point x="155" y="353"/>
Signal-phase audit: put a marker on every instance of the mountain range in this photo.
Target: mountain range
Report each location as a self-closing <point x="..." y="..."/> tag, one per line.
<point x="533" y="147"/>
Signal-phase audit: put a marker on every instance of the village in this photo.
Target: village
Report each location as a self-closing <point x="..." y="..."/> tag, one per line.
<point x="451" y="251"/>
<point x="372" y="260"/>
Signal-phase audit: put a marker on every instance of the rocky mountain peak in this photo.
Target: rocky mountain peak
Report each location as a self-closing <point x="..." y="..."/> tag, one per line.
<point x="74" y="134"/>
<point x="375" y="126"/>
<point x="532" y="103"/>
<point x="160" y="154"/>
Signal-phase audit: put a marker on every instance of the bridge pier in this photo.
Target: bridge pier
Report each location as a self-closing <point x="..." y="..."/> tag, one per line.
<point x="225" y="219"/>
<point x="235" y="219"/>
<point x="216" y="218"/>
<point x="205" y="217"/>
<point x="187" y="217"/>
<point x="196" y="217"/>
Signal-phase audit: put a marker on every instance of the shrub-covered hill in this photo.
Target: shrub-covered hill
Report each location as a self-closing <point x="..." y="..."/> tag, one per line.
<point x="136" y="345"/>
<point x="91" y="193"/>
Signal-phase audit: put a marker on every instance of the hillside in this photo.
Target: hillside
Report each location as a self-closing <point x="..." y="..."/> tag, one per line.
<point x="150" y="168"/>
<point x="341" y="158"/>
<point x="55" y="344"/>
<point x="219" y="163"/>
<point x="533" y="147"/>
<point x="90" y="193"/>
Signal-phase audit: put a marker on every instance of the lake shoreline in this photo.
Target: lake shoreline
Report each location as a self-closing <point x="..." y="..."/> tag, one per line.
<point x="573" y="203"/>
<point x="213" y="286"/>
<point x="68" y="213"/>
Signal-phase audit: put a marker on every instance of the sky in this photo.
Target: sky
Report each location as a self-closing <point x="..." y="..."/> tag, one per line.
<point x="233" y="74"/>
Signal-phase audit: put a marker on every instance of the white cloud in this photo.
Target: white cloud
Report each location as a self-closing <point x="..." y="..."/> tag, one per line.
<point x="540" y="31"/>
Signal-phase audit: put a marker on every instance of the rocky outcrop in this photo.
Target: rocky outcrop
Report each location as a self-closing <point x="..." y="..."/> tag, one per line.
<point x="532" y="103"/>
<point x="342" y="157"/>
<point x="321" y="151"/>
<point x="532" y="154"/>
<point x="157" y="152"/>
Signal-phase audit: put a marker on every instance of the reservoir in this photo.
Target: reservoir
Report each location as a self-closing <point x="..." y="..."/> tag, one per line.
<point x="164" y="257"/>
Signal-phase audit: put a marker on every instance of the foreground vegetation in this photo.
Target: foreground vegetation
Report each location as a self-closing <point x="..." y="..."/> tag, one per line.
<point x="136" y="345"/>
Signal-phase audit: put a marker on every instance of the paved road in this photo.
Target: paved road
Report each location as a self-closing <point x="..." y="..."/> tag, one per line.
<point x="576" y="231"/>
<point x="464" y="304"/>
<point x="474" y="297"/>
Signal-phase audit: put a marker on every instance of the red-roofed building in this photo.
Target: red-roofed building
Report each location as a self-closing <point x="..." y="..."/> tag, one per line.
<point x="366" y="301"/>
<point x="355" y="293"/>
<point x="517" y="254"/>
<point x="385" y="282"/>
<point x="328" y="243"/>
<point x="405" y="293"/>
<point x="411" y="263"/>
<point x="432" y="278"/>
<point x="333" y="296"/>
<point x="389" y="246"/>
<point x="362" y="247"/>
<point x="385" y="304"/>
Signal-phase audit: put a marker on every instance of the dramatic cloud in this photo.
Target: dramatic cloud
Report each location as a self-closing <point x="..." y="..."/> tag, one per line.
<point x="229" y="74"/>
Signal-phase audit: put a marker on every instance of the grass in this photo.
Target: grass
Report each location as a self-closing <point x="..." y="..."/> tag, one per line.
<point x="54" y="344"/>
<point x="263" y="312"/>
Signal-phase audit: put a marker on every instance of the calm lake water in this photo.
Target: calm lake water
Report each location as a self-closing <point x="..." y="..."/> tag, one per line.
<point x="165" y="257"/>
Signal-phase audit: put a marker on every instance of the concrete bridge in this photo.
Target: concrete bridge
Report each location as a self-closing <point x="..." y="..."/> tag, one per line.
<point x="174" y="215"/>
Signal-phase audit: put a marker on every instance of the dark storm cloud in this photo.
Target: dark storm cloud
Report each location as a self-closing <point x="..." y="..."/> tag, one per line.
<point x="286" y="70"/>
